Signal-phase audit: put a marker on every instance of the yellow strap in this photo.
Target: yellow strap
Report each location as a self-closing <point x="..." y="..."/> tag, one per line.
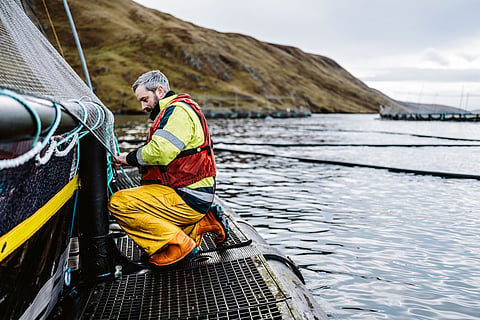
<point x="23" y="231"/>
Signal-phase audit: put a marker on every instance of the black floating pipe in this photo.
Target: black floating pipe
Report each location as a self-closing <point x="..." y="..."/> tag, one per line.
<point x="288" y="145"/>
<point x="353" y="164"/>
<point x="17" y="122"/>
<point x="96" y="251"/>
<point x="381" y="132"/>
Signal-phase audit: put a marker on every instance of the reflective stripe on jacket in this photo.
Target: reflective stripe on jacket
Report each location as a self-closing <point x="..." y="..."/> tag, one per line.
<point x="189" y="165"/>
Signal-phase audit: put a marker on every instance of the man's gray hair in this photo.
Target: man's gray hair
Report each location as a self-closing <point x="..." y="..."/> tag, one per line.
<point x="151" y="80"/>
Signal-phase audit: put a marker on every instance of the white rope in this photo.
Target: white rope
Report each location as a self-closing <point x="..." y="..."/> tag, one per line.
<point x="73" y="142"/>
<point x="53" y="150"/>
<point x="41" y="160"/>
<point x="37" y="149"/>
<point x="22" y="159"/>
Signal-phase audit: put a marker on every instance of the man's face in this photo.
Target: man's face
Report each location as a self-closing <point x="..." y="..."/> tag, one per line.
<point x="148" y="99"/>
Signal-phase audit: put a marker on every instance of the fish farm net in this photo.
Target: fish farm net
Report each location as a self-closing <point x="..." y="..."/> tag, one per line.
<point x="46" y="111"/>
<point x="35" y="168"/>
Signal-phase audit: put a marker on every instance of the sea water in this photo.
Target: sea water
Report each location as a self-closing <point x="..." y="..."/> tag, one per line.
<point x="371" y="243"/>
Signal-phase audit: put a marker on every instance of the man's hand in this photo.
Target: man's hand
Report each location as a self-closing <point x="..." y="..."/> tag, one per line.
<point x="121" y="160"/>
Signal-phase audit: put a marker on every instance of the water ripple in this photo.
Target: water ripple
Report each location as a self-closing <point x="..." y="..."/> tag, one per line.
<point x="371" y="244"/>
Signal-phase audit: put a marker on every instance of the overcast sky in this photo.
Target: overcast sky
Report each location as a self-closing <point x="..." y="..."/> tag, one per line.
<point x="424" y="51"/>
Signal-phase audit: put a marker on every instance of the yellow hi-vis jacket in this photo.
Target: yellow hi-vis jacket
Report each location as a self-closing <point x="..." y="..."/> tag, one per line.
<point x="180" y="129"/>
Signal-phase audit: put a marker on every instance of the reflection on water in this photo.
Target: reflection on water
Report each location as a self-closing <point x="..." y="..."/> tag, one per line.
<point x="371" y="244"/>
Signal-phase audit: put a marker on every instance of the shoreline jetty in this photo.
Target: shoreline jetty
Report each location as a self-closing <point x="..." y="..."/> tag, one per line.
<point x="472" y="117"/>
<point x="418" y="112"/>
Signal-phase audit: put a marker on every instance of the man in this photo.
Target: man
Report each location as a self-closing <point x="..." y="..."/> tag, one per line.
<point x="168" y="214"/>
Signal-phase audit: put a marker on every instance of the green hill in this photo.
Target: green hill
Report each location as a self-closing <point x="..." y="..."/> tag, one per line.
<point x="223" y="71"/>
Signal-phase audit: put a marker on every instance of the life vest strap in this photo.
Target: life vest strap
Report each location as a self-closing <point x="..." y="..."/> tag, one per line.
<point x="189" y="152"/>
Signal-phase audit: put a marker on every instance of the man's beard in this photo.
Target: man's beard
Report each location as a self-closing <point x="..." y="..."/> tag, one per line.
<point x="155" y="111"/>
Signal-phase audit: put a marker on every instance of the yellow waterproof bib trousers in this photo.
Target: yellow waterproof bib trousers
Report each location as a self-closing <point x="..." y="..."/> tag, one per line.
<point x="152" y="215"/>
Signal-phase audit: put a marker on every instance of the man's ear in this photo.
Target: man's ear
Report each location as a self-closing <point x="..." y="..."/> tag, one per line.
<point x="160" y="92"/>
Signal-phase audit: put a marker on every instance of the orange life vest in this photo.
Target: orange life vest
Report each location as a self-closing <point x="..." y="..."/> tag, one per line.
<point x="190" y="165"/>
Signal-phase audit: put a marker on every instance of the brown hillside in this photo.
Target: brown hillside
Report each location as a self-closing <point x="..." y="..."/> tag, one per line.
<point x="121" y="39"/>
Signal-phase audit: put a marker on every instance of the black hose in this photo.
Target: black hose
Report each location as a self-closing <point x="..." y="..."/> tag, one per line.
<point x="382" y="132"/>
<point x="280" y="145"/>
<point x="352" y="164"/>
<point x="344" y="144"/>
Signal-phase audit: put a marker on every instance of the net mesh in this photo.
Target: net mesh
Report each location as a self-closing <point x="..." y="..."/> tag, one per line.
<point x="30" y="64"/>
<point x="33" y="170"/>
<point x="26" y="188"/>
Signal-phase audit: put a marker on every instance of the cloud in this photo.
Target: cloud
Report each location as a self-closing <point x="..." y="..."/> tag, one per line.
<point x="468" y="57"/>
<point x="436" y="58"/>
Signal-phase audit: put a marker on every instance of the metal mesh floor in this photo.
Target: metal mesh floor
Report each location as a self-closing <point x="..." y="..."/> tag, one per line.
<point x="227" y="282"/>
<point x="227" y="290"/>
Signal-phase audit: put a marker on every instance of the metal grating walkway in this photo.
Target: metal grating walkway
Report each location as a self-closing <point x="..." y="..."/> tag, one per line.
<point x="227" y="290"/>
<point x="228" y="282"/>
<point x="219" y="283"/>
